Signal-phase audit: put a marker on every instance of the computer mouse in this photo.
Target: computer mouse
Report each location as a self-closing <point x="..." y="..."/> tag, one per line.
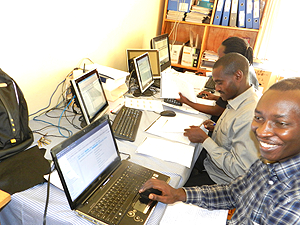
<point x="149" y="191"/>
<point x="201" y="95"/>
<point x="168" y="113"/>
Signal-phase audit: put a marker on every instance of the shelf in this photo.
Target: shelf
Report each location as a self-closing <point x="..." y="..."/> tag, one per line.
<point x="210" y="36"/>
<point x="211" y="25"/>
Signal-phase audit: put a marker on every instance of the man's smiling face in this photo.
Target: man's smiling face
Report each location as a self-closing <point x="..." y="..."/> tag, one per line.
<point x="276" y="124"/>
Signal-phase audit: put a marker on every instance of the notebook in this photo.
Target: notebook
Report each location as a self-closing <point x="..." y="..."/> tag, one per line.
<point x="91" y="171"/>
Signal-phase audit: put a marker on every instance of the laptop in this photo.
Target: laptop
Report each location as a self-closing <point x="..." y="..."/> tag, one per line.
<point x="91" y="172"/>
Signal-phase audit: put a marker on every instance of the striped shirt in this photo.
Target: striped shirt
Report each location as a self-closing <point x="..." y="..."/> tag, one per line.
<point x="266" y="194"/>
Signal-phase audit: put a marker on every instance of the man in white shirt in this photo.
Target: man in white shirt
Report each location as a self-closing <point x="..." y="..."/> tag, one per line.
<point x="232" y="147"/>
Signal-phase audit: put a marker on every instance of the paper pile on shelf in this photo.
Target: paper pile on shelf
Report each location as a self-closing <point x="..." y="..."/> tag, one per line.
<point x="198" y="14"/>
<point x="195" y="17"/>
<point x="175" y="15"/>
<point x="208" y="59"/>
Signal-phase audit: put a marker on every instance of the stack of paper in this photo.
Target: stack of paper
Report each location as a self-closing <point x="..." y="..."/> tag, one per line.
<point x="175" y="15"/>
<point x="181" y="213"/>
<point x="167" y="150"/>
<point x="175" y="147"/>
<point x="172" y="128"/>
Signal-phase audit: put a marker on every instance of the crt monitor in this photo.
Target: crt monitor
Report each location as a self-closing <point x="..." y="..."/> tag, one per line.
<point x="154" y="60"/>
<point x="161" y="43"/>
<point x="89" y="96"/>
<point x="144" y="75"/>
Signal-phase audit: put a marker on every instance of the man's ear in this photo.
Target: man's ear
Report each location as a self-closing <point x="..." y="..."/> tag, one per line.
<point x="238" y="75"/>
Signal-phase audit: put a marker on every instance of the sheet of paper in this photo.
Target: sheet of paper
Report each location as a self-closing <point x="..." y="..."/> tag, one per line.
<point x="144" y="104"/>
<point x="167" y="150"/>
<point x="54" y="179"/>
<point x="172" y="128"/>
<point x="180" y="122"/>
<point x="171" y="85"/>
<point x="198" y="82"/>
<point x="206" y="101"/>
<point x="182" y="213"/>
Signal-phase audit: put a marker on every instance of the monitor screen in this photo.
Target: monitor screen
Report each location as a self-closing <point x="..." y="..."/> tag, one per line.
<point x="89" y="96"/>
<point x="143" y="73"/>
<point x="154" y="60"/>
<point x="161" y="43"/>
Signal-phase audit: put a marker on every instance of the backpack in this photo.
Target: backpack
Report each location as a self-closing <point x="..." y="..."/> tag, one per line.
<point x="15" y="134"/>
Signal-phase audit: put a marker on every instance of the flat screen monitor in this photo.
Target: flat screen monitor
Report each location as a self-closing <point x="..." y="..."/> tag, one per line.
<point x="153" y="56"/>
<point x="144" y="74"/>
<point x="161" y="43"/>
<point x="89" y="96"/>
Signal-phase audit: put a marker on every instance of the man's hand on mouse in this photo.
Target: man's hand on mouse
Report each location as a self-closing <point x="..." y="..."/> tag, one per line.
<point x="208" y="95"/>
<point x="169" y="194"/>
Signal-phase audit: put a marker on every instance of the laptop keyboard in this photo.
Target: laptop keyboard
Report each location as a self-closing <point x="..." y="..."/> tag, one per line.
<point x="113" y="205"/>
<point x="126" y="123"/>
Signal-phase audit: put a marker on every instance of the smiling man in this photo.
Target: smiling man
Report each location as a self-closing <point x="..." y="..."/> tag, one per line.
<point x="233" y="147"/>
<point x="269" y="193"/>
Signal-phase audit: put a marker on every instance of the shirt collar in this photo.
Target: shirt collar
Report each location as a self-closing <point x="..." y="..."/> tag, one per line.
<point x="237" y="101"/>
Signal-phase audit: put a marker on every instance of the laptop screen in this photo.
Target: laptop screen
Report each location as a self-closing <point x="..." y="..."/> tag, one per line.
<point x="86" y="157"/>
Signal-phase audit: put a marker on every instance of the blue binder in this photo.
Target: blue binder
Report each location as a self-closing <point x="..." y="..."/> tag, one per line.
<point x="249" y="16"/>
<point x="242" y="13"/>
<point x="256" y="18"/>
<point x="218" y="13"/>
<point x="226" y="13"/>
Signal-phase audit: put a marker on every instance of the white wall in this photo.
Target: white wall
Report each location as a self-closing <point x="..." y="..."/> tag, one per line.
<point x="42" y="41"/>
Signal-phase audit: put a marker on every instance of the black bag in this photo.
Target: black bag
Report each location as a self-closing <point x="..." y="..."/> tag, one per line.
<point x="15" y="134"/>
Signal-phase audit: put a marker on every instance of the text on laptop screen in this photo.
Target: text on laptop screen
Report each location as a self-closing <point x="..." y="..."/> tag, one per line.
<point x="83" y="160"/>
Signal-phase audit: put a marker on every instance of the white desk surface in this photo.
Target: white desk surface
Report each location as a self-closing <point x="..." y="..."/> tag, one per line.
<point x="27" y="207"/>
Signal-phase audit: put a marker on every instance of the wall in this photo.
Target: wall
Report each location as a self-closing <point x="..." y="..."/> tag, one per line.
<point x="42" y="41"/>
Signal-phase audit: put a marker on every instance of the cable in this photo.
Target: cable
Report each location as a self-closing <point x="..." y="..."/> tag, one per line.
<point x="47" y="200"/>
<point x="49" y="100"/>
<point x="61" y="117"/>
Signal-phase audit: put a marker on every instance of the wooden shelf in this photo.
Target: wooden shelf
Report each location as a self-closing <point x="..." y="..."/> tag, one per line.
<point x="210" y="36"/>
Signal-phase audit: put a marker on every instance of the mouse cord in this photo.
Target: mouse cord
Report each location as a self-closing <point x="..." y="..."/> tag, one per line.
<point x="47" y="198"/>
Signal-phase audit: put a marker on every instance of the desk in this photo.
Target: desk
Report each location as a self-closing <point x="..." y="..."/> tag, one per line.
<point x="27" y="207"/>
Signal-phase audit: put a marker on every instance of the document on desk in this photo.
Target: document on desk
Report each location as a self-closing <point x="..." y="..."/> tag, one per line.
<point x="182" y="213"/>
<point x="167" y="150"/>
<point x="172" y="84"/>
<point x="172" y="128"/>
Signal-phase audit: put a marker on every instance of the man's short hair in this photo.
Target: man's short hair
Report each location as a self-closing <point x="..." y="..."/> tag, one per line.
<point x="287" y="84"/>
<point x="233" y="62"/>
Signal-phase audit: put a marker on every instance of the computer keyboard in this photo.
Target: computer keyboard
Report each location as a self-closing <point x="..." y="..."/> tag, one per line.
<point x="210" y="85"/>
<point x="126" y="123"/>
<point x="172" y="101"/>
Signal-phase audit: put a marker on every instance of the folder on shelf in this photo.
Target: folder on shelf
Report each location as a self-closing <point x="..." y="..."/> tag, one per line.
<point x="249" y="16"/>
<point x="226" y="13"/>
<point x="242" y="13"/>
<point x="218" y="13"/>
<point x="233" y="13"/>
<point x="256" y="15"/>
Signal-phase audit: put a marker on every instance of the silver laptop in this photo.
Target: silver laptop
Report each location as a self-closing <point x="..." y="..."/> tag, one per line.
<point x="98" y="185"/>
